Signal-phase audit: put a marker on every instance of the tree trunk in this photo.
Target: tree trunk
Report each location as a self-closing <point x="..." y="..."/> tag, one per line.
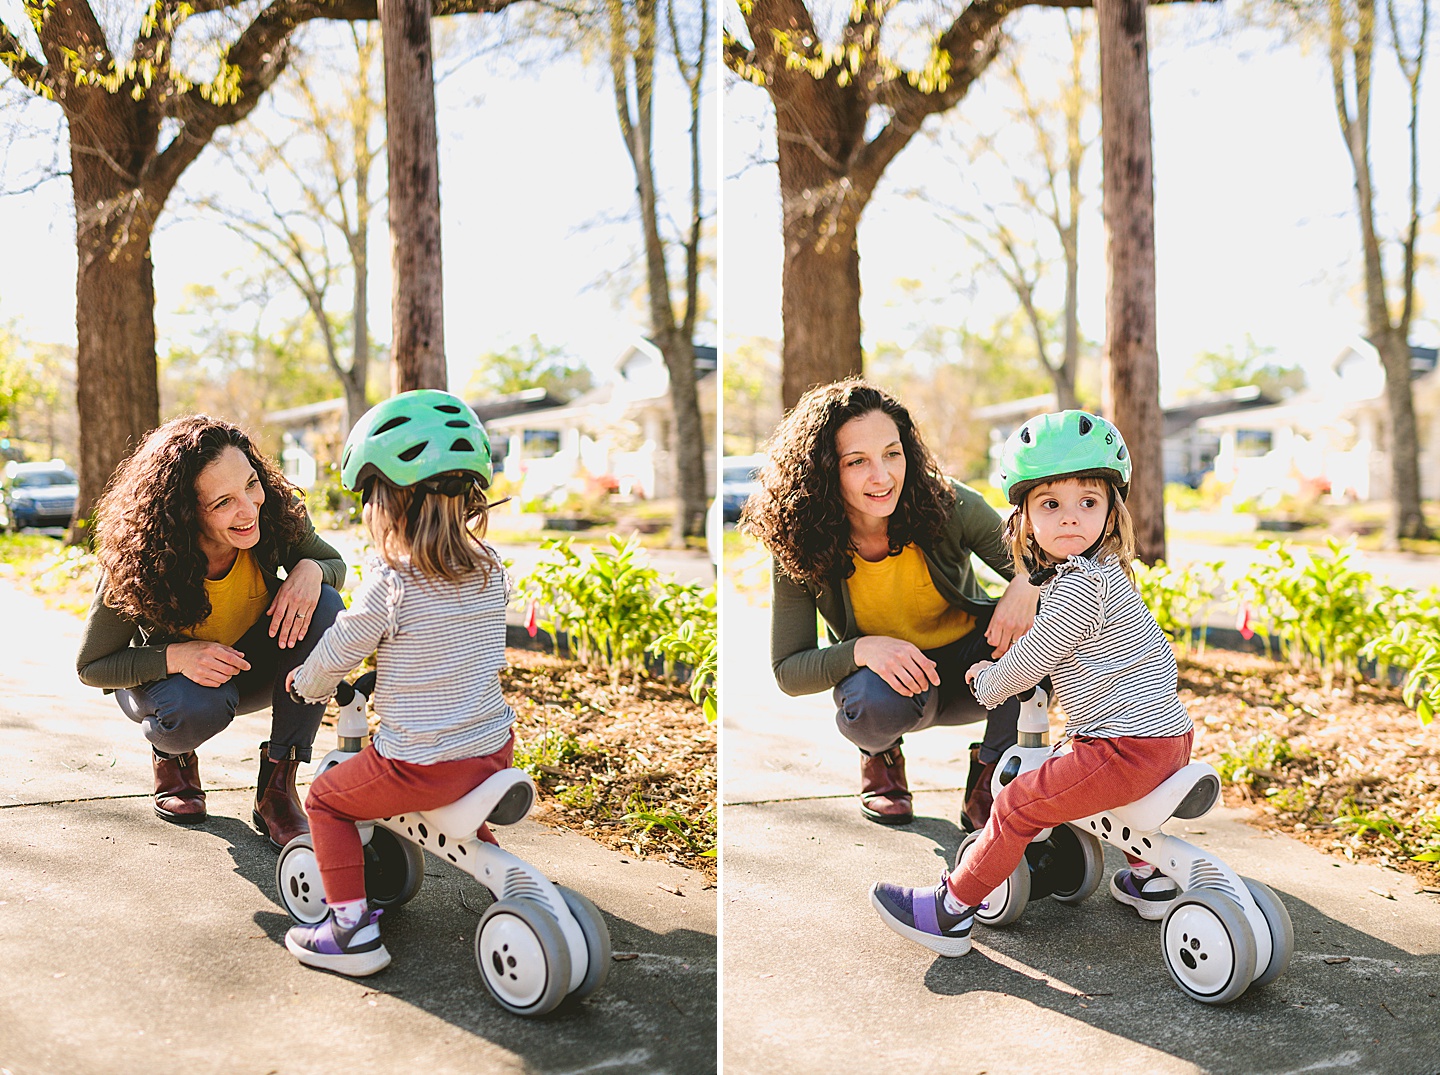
<point x="819" y="308"/>
<point x="820" y="276"/>
<point x="1132" y="384"/>
<point x="116" y="386"/>
<point x="687" y="438"/>
<point x="418" y="351"/>
<point x="1407" y="519"/>
<point x="354" y="379"/>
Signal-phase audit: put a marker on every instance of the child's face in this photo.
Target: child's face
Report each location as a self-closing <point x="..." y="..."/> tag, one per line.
<point x="1067" y="516"/>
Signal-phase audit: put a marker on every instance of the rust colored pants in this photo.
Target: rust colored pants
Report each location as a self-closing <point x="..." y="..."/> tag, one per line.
<point x="368" y="786"/>
<point x="1097" y="774"/>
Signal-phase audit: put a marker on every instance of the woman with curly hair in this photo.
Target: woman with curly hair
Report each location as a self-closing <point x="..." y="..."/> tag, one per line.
<point x="865" y="531"/>
<point x="192" y="621"/>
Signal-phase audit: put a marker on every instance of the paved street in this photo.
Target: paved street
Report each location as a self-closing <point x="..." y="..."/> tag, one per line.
<point x="128" y="945"/>
<point x="815" y="983"/>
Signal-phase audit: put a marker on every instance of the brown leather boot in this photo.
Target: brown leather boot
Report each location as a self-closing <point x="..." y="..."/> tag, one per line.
<point x="178" y="795"/>
<point x="884" y="795"/>
<point x="278" y="813"/>
<point x="978" y="797"/>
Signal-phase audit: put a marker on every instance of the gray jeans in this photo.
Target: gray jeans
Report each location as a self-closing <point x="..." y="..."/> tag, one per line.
<point x="177" y="714"/>
<point x="873" y="715"/>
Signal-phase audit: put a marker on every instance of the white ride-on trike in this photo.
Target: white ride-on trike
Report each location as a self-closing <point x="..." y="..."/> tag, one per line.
<point x="1224" y="934"/>
<point x="536" y="944"/>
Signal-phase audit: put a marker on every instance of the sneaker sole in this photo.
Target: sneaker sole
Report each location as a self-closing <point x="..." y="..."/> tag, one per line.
<point x="354" y="966"/>
<point x="1149" y="910"/>
<point x="948" y="947"/>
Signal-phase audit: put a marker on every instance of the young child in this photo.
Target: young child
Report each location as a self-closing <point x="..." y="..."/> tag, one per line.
<point x="1111" y="666"/>
<point x="432" y="609"/>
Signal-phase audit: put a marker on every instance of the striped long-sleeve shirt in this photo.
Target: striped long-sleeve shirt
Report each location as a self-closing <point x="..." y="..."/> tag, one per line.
<point x="1111" y="666"/>
<point x="440" y="646"/>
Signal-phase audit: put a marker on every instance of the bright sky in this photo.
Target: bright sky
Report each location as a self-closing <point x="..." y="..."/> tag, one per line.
<point x="1255" y="213"/>
<point x="536" y="200"/>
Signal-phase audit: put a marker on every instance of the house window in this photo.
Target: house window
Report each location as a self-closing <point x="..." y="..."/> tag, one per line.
<point x="540" y="442"/>
<point x="1252" y="442"/>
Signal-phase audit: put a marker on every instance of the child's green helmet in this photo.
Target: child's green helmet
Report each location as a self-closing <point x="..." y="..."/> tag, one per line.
<point x="1063" y="444"/>
<point x="414" y="436"/>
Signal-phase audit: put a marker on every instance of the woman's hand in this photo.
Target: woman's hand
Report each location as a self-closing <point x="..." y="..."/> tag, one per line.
<point x="1013" y="615"/>
<point x="209" y="664"/>
<point x="294" y="603"/>
<point x="898" y="663"/>
<point x="975" y="669"/>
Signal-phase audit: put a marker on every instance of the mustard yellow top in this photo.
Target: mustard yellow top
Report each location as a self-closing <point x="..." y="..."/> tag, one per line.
<point x="897" y="598"/>
<point x="236" y="602"/>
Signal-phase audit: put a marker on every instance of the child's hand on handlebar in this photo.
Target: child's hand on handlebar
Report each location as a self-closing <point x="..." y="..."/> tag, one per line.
<point x="975" y="669"/>
<point x="290" y="687"/>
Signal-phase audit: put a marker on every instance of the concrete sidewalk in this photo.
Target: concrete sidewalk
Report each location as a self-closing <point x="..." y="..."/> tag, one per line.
<point x="128" y="945"/>
<point x="814" y="982"/>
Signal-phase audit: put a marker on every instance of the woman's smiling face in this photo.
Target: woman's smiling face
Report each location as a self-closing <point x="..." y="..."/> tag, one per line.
<point x="1068" y="516"/>
<point x="228" y="494"/>
<point x="872" y="466"/>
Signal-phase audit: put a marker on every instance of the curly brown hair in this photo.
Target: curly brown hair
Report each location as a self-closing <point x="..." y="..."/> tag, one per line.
<point x="799" y="514"/>
<point x="148" y="525"/>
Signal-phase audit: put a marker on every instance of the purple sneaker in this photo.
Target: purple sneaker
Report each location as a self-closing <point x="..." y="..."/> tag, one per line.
<point x="1151" y="897"/>
<point x="356" y="951"/>
<point x="919" y="915"/>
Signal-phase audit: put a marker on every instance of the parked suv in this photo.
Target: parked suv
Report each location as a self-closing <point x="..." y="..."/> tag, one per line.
<point x="738" y="474"/>
<point x="39" y="494"/>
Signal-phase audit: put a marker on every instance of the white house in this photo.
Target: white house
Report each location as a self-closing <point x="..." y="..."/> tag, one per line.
<point x="618" y="433"/>
<point x="1334" y="435"/>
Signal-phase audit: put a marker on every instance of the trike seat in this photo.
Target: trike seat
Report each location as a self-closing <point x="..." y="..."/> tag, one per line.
<point x="1187" y="793"/>
<point x="502" y="799"/>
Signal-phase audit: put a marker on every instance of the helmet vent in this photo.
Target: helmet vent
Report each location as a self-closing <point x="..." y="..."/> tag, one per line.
<point x="411" y="452"/>
<point x="1085" y="424"/>
<point x="1109" y="438"/>
<point x="462" y="445"/>
<point x="458" y="423"/>
<point x="448" y="408"/>
<point x="345" y="461"/>
<point x="399" y="420"/>
<point x="1121" y="453"/>
<point x="1025" y="434"/>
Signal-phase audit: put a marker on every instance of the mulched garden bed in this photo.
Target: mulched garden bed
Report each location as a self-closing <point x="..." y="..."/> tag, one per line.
<point x="1350" y="769"/>
<point x="630" y="765"/>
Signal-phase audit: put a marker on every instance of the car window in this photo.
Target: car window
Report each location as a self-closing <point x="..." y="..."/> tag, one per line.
<point x="44" y="479"/>
<point x="741" y="474"/>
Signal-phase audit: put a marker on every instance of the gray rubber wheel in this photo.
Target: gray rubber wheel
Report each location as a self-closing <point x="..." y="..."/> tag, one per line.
<point x="1089" y="863"/>
<point x="297" y="880"/>
<point x="394" y="869"/>
<point x="522" y="956"/>
<point x="1282" y="931"/>
<point x="1006" y="904"/>
<point x="1208" y="946"/>
<point x="597" y="942"/>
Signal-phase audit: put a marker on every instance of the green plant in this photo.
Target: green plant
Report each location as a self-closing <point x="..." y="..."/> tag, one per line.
<point x="614" y="608"/>
<point x="1256" y="760"/>
<point x="1412" y="643"/>
<point x="695" y="642"/>
<point x="698" y="835"/>
<point x="547" y="754"/>
<point x="1180" y="600"/>
<point x="1323" y="609"/>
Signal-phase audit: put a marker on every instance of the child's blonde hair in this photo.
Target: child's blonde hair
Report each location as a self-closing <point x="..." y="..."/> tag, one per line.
<point x="1116" y="539"/>
<point x="442" y="536"/>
